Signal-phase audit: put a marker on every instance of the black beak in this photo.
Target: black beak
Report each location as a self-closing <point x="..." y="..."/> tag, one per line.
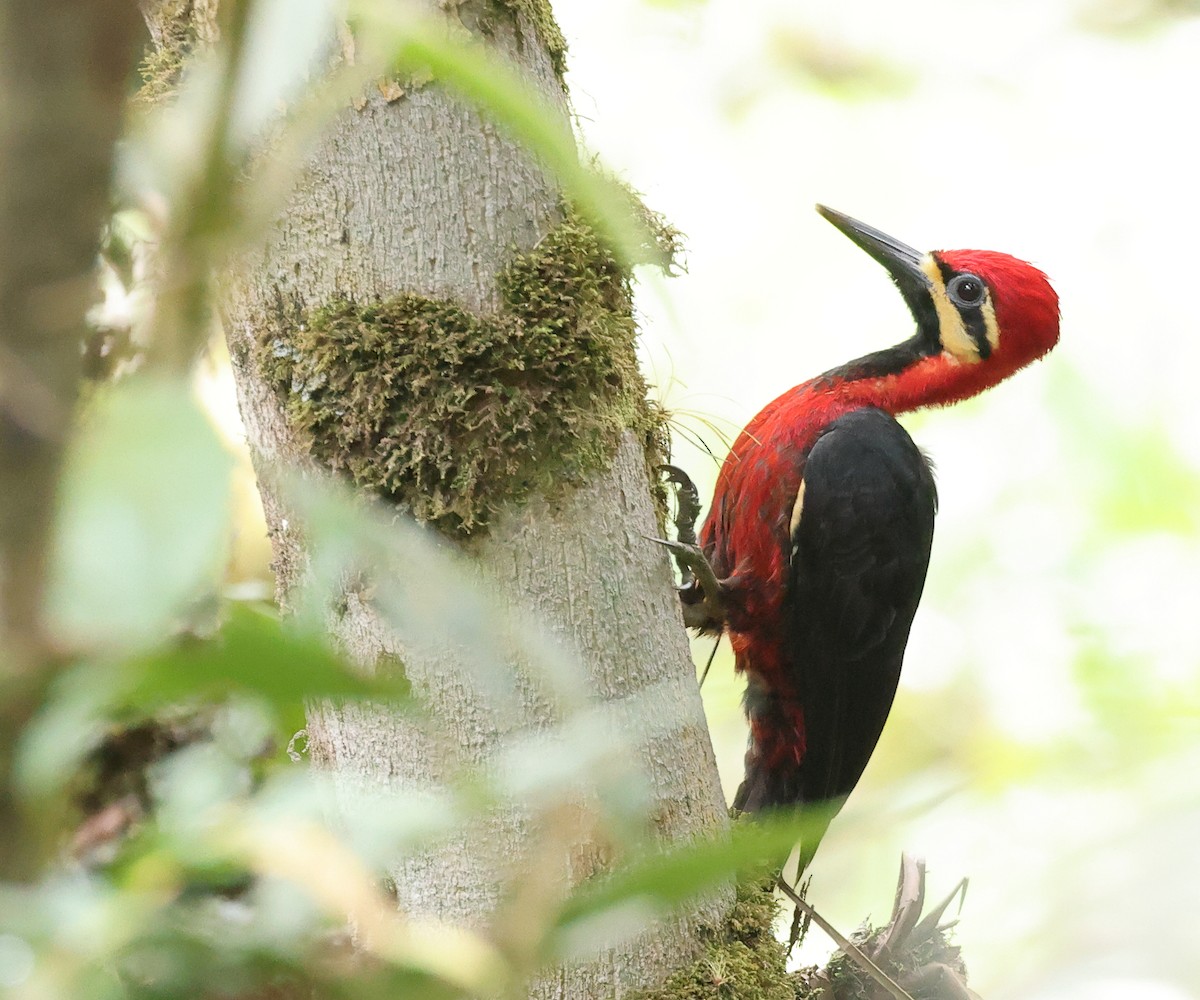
<point x="903" y="263"/>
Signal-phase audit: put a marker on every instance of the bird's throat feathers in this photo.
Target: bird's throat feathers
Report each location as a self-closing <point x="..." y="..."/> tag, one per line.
<point x="932" y="380"/>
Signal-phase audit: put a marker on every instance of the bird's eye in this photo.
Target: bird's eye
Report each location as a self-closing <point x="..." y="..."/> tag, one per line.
<point x="966" y="290"/>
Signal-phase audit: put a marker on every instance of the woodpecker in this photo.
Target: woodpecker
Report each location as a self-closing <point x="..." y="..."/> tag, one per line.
<point x="814" y="552"/>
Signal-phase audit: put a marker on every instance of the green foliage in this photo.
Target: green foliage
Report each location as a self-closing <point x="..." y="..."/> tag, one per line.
<point x="288" y="666"/>
<point x="455" y="416"/>
<point x="663" y="880"/>
<point x="145" y="518"/>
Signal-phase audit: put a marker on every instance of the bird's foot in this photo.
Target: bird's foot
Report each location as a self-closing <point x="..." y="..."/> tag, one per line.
<point x="701" y="593"/>
<point x="687" y="503"/>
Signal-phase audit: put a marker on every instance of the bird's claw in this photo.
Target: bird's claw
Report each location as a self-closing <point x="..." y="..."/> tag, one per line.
<point x="701" y="592"/>
<point x="688" y="500"/>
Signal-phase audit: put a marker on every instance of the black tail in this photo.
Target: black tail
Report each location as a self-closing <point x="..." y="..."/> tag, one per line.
<point x="765" y="787"/>
<point x="779" y="768"/>
<point x="765" y="793"/>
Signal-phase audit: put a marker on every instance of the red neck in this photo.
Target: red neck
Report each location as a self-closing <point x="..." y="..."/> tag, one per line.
<point x="937" y="380"/>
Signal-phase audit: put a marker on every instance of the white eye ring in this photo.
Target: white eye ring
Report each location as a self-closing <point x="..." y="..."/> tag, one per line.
<point x="966" y="290"/>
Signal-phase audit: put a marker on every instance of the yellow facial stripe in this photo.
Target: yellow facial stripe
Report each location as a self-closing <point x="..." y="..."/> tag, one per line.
<point x="951" y="331"/>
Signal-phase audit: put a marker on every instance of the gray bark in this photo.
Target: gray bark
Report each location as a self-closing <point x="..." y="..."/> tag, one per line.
<point x="423" y="195"/>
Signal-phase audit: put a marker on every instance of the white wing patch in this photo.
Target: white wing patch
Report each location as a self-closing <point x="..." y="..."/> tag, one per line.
<point x="797" y="510"/>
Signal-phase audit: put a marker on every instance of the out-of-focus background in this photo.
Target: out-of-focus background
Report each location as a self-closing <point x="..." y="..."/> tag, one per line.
<point x="1044" y="739"/>
<point x="1044" y="742"/>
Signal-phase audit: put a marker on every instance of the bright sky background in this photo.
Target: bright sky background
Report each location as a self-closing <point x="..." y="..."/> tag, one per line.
<point x="1044" y="742"/>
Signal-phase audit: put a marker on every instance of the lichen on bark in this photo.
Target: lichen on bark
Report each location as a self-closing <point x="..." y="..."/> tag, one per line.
<point x="453" y="415"/>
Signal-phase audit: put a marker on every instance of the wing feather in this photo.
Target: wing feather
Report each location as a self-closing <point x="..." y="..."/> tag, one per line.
<point x="860" y="551"/>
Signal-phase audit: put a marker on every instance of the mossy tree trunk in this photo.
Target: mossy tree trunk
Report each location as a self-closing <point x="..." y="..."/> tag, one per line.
<point x="421" y="199"/>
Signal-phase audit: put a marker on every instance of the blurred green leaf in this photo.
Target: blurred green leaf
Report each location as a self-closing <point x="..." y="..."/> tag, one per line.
<point x="829" y="64"/>
<point x="143" y="527"/>
<point x="1137" y="482"/>
<point x="285" y="42"/>
<point x="255" y="652"/>
<point x="1134" y="20"/>
<point x="660" y="882"/>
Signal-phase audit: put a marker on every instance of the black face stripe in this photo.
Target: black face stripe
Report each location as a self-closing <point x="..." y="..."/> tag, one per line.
<point x="976" y="326"/>
<point x="973" y="321"/>
<point x="925" y="313"/>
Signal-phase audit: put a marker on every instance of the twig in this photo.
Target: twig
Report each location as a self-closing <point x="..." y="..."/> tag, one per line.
<point x="856" y="953"/>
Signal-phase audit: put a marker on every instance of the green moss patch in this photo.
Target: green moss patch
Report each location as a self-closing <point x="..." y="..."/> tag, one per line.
<point x="661" y="244"/>
<point x="162" y="66"/>
<point x="454" y="416"/>
<point x="743" y="959"/>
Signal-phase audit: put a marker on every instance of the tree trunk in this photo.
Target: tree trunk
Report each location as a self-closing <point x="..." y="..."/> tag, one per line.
<point x="422" y="195"/>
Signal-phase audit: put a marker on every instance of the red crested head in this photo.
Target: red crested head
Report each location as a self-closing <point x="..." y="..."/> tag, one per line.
<point x="1024" y="304"/>
<point x="980" y="317"/>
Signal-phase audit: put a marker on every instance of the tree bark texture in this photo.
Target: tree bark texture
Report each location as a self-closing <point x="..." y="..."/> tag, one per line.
<point x="423" y="195"/>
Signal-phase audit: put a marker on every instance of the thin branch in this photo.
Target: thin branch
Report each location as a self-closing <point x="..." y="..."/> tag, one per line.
<point x="889" y="985"/>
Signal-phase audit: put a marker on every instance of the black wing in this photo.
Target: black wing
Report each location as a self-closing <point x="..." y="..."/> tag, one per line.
<point x="860" y="549"/>
<point x="860" y="542"/>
